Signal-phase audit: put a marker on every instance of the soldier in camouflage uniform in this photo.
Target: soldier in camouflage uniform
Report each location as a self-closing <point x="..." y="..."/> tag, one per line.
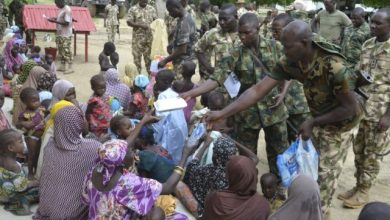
<point x="205" y="16"/>
<point x="111" y="20"/>
<point x="329" y="88"/>
<point x="354" y="36"/>
<point x="292" y="92"/>
<point x="373" y="138"/>
<point x="251" y="67"/>
<point x="218" y="41"/>
<point x="139" y="18"/>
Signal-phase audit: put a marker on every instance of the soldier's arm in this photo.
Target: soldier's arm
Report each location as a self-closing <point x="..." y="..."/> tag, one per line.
<point x="201" y="46"/>
<point x="205" y="87"/>
<point x="249" y="98"/>
<point x="132" y="23"/>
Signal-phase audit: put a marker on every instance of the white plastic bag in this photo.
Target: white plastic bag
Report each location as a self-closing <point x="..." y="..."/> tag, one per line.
<point x="287" y="164"/>
<point x="307" y="158"/>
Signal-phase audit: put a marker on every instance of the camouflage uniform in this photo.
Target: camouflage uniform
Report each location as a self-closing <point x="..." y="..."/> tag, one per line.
<point x="142" y="39"/>
<point x="171" y="22"/>
<point x="241" y="11"/>
<point x="371" y="141"/>
<point x="352" y="41"/>
<point x="300" y="15"/>
<point x="249" y="122"/>
<point x="112" y="21"/>
<point x="298" y="110"/>
<point x="205" y="18"/>
<point x="218" y="43"/>
<point x="327" y="76"/>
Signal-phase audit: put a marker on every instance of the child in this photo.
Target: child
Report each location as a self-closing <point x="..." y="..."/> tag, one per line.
<point x="185" y="85"/>
<point x="171" y="130"/>
<point x="16" y="191"/>
<point x="104" y="62"/>
<point x="50" y="61"/>
<point x="269" y="186"/>
<point x="139" y="105"/>
<point x="114" y="58"/>
<point x="4" y="124"/>
<point x="131" y="72"/>
<point x="32" y="122"/>
<point x="35" y="54"/>
<point x="98" y="112"/>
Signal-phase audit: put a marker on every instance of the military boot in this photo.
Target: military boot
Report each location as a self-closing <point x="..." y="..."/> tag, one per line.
<point x="61" y="67"/>
<point x="348" y="194"/>
<point x="69" y="70"/>
<point x="358" y="200"/>
<point x="327" y="215"/>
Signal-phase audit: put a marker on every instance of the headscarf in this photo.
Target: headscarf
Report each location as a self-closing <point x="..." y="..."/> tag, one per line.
<point x="131" y="72"/>
<point x="60" y="88"/>
<point x="39" y="79"/>
<point x="117" y="89"/>
<point x="375" y="210"/>
<point x="26" y="68"/>
<point x="141" y="81"/>
<point x="303" y="202"/>
<point x="240" y="200"/>
<point x="10" y="60"/>
<point x="111" y="155"/>
<point x="53" y="112"/>
<point x="224" y="148"/>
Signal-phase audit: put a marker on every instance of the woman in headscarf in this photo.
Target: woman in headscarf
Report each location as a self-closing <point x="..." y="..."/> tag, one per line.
<point x="67" y="158"/>
<point x="11" y="54"/>
<point x="112" y="188"/>
<point x="131" y="72"/>
<point x="39" y="79"/>
<point x="63" y="90"/>
<point x="203" y="179"/>
<point x="240" y="200"/>
<point x="303" y="202"/>
<point x="117" y="89"/>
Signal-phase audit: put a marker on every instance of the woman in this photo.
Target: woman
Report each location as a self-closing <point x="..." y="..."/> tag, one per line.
<point x="113" y="190"/>
<point x="117" y="89"/>
<point x="67" y="158"/>
<point x="38" y="78"/>
<point x="303" y="202"/>
<point x="131" y="72"/>
<point x="11" y="54"/>
<point x="63" y="90"/>
<point x="240" y="200"/>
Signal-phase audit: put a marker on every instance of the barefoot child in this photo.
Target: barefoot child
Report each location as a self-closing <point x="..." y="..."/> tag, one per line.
<point x="186" y="85"/>
<point x="16" y="191"/>
<point x="31" y="122"/>
<point x="104" y="62"/>
<point x="4" y="124"/>
<point x="98" y="112"/>
<point x="269" y="186"/>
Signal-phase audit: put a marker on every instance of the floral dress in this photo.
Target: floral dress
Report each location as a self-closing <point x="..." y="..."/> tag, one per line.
<point x="99" y="115"/>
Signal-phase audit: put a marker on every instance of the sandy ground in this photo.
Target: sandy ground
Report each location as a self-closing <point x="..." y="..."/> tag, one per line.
<point x="84" y="71"/>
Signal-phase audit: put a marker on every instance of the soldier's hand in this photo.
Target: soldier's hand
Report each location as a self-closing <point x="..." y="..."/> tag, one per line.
<point x="384" y="123"/>
<point x="306" y="129"/>
<point x="278" y="99"/>
<point x="213" y="116"/>
<point x="162" y="64"/>
<point x="186" y="95"/>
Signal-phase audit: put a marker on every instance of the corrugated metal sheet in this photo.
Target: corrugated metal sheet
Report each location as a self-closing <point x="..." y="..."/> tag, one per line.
<point x="34" y="18"/>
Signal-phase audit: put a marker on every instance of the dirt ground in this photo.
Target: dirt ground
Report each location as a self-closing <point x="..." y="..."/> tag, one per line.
<point x="84" y="71"/>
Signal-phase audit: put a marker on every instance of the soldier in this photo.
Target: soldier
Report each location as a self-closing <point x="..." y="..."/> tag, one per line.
<point x="139" y="18"/>
<point x="374" y="136"/>
<point x="241" y="8"/>
<point x="331" y="22"/>
<point x="111" y="20"/>
<point x="218" y="41"/>
<point x="64" y="23"/>
<point x="205" y="16"/>
<point x="184" y="38"/>
<point x="354" y="36"/>
<point x="244" y="65"/>
<point x="292" y="92"/>
<point x="329" y="93"/>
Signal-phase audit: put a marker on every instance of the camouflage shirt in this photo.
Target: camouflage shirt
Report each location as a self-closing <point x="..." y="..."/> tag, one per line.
<point x="352" y="41"/>
<point x="375" y="59"/>
<point x="327" y="76"/>
<point x="301" y="15"/>
<point x="205" y="18"/>
<point x="295" y="99"/>
<point x="249" y="73"/>
<point x="112" y="14"/>
<point x="146" y="15"/>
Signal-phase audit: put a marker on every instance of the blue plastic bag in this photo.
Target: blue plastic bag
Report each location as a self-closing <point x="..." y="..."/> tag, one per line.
<point x="307" y="158"/>
<point x="287" y="164"/>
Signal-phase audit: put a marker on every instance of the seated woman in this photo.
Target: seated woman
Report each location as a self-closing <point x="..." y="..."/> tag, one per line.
<point x="112" y="189"/>
<point x="304" y="196"/>
<point x="240" y="200"/>
<point x="117" y="89"/>
<point x="204" y="179"/>
<point x="11" y="54"/>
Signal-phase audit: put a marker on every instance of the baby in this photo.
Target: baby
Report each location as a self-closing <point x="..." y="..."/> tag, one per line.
<point x="269" y="187"/>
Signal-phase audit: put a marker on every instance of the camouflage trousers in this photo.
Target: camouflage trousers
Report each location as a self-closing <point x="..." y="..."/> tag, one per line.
<point x="332" y="146"/>
<point x="293" y="123"/>
<point x="142" y="47"/>
<point x="64" y="49"/>
<point x="111" y="32"/>
<point x="368" y="146"/>
<point x="276" y="141"/>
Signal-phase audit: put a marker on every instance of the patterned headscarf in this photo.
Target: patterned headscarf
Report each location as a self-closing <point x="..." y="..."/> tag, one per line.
<point x="223" y="149"/>
<point x="53" y="112"/>
<point x="111" y="155"/>
<point x="68" y="125"/>
<point x="26" y="68"/>
<point x="112" y="77"/>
